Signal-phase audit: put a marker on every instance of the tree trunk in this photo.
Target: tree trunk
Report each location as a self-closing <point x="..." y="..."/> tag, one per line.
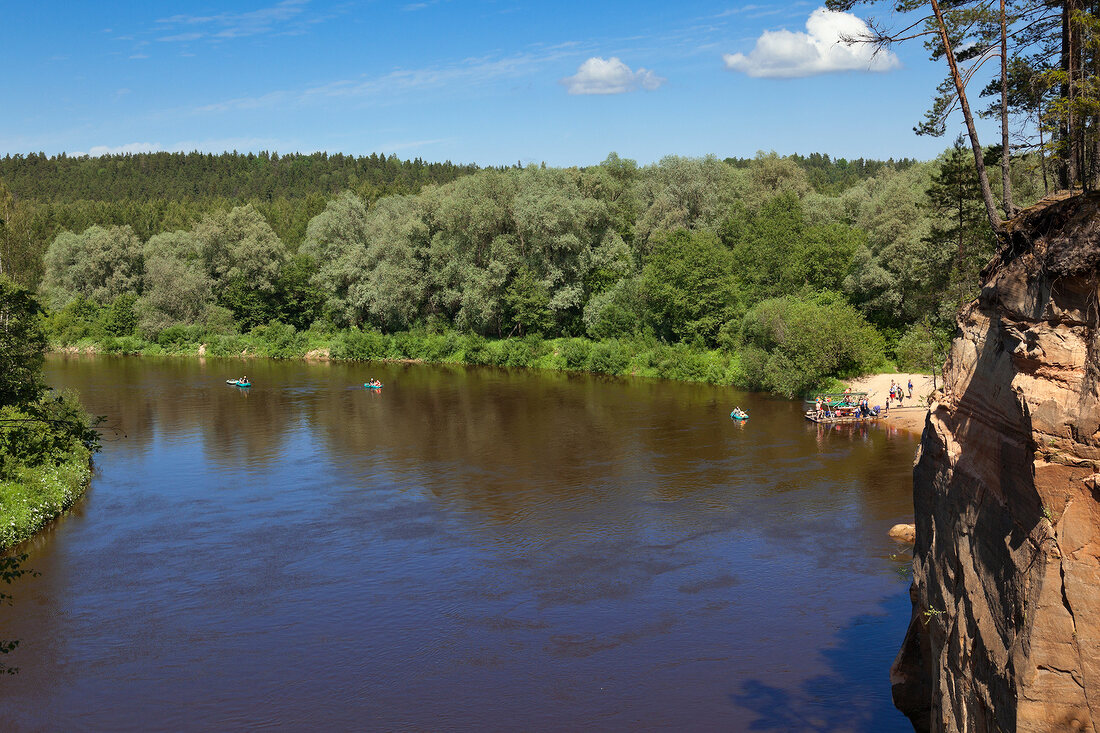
<point x="1006" y="182"/>
<point x="1043" y="159"/>
<point x="1064" y="149"/>
<point x="983" y="178"/>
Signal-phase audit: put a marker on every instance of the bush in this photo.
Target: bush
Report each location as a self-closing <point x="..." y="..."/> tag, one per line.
<point x="280" y="340"/>
<point x="615" y="312"/>
<point x="122" y="345"/>
<point x="680" y="362"/>
<point x="120" y="319"/>
<point x="476" y="350"/>
<point x="575" y="353"/>
<point x="174" y="337"/>
<point x="406" y="345"/>
<point x="361" y="346"/>
<point x="522" y="352"/>
<point x="440" y="347"/>
<point x="923" y="348"/>
<point x="80" y="319"/>
<point x="225" y="345"/>
<point x="792" y="344"/>
<point x="608" y="357"/>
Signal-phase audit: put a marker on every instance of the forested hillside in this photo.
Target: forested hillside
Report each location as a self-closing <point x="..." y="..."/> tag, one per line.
<point x="746" y="258"/>
<point x="237" y="176"/>
<point x="158" y="192"/>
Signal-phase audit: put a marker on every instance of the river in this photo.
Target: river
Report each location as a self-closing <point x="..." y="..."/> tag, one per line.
<point x="465" y="549"/>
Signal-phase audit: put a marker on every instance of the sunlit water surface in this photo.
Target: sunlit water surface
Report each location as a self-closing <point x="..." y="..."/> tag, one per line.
<point x="467" y="549"/>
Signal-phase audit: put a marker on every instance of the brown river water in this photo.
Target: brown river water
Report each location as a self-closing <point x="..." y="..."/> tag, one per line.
<point x="467" y="549"/>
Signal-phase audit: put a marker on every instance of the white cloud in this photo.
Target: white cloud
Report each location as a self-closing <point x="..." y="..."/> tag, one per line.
<point x="235" y="25"/>
<point x="464" y="75"/>
<point x="820" y="50"/>
<point x="181" y="37"/>
<point x="609" y="76"/>
<point x="99" y="150"/>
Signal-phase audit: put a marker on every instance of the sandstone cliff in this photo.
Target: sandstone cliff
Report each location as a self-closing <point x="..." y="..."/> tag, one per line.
<point x="1005" y="633"/>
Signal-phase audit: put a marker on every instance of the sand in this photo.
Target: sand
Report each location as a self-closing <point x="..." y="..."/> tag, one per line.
<point x="910" y="416"/>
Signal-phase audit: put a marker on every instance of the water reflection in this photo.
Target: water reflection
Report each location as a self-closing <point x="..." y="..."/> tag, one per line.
<point x="465" y="548"/>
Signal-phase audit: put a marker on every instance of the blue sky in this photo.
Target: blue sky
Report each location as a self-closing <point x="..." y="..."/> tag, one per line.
<point x="483" y="81"/>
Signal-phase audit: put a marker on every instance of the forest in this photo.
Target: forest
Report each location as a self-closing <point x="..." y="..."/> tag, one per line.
<point x="774" y="273"/>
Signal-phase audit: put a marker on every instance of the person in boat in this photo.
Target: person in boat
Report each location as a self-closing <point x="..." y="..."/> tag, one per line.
<point x="243" y="380"/>
<point x="817" y="406"/>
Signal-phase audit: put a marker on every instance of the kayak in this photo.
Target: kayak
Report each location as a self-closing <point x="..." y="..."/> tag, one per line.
<point x="238" y="383"/>
<point x="372" y="386"/>
<point x="742" y="416"/>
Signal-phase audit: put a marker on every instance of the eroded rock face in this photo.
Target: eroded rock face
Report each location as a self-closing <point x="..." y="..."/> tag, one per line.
<point x="1005" y="633"/>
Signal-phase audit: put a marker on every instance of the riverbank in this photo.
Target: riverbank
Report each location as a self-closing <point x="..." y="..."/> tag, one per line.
<point x="641" y="357"/>
<point x="34" y="496"/>
<point x="911" y="413"/>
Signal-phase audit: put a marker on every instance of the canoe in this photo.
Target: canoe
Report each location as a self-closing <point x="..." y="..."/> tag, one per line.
<point x="372" y="386"/>
<point x="739" y="417"/>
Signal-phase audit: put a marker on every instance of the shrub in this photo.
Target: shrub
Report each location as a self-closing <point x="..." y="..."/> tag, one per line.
<point x="923" y="348"/>
<point x="791" y="344"/>
<point x="120" y="319"/>
<point x="438" y="347"/>
<point x="475" y="350"/>
<point x="521" y="352"/>
<point x="608" y="357"/>
<point x="615" y="312"/>
<point x="80" y="319"/>
<point x="280" y="340"/>
<point x="177" y="336"/>
<point x="361" y="346"/>
<point x="225" y="345"/>
<point x="406" y="345"/>
<point x="575" y="353"/>
<point x="680" y="362"/>
<point x="122" y="345"/>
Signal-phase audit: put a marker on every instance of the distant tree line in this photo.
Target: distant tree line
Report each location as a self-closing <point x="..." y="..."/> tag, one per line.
<point x="234" y="176"/>
<point x="152" y="193"/>
<point x="748" y="258"/>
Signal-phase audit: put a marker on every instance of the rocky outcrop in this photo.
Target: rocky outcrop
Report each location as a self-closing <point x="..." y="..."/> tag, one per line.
<point x="1005" y="633"/>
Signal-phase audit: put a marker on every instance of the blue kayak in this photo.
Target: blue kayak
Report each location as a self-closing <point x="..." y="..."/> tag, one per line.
<point x="238" y="383"/>
<point x="372" y="386"/>
<point x="742" y="416"/>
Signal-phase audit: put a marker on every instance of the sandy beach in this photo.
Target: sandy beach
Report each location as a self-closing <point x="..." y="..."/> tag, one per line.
<point x="910" y="415"/>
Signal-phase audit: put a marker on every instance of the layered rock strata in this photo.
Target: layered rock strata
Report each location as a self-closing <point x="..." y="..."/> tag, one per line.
<point x="1005" y="633"/>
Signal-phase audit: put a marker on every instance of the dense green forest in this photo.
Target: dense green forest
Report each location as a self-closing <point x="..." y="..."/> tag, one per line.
<point x="796" y="268"/>
<point x="157" y="192"/>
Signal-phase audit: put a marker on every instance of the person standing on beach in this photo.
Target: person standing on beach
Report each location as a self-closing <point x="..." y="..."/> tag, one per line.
<point x="910" y="388"/>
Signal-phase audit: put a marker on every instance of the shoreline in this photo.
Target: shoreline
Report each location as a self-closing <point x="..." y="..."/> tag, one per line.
<point x="910" y="415"/>
<point x="37" y="497"/>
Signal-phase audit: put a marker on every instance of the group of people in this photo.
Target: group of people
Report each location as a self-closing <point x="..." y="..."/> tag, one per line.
<point x="860" y="407"/>
<point x="897" y="392"/>
<point x="374" y="383"/>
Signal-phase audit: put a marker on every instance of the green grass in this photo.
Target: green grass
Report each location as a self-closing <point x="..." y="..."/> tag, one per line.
<point x="31" y="497"/>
